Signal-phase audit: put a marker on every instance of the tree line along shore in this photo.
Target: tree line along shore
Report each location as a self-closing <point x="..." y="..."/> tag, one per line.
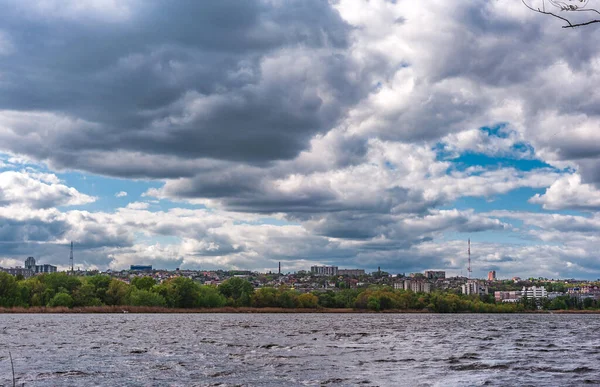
<point x="62" y="293"/>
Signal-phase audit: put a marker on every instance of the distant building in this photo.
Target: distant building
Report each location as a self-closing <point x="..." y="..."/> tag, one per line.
<point x="140" y="267"/>
<point x="474" y="287"/>
<point x="553" y="295"/>
<point x="508" y="296"/>
<point x="38" y="269"/>
<point x="583" y="289"/>
<point x="492" y="275"/>
<point x="18" y="271"/>
<point x="324" y="270"/>
<point x="351" y="272"/>
<point x="414" y="286"/>
<point x="534" y="292"/>
<point x="435" y="274"/>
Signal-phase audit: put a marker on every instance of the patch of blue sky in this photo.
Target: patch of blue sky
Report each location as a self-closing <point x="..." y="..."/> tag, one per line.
<point x="520" y="155"/>
<point x="515" y="200"/>
<point x="166" y="204"/>
<point x="105" y="189"/>
<point x="522" y="148"/>
<point x="469" y="159"/>
<point x="442" y="153"/>
<point x="500" y="130"/>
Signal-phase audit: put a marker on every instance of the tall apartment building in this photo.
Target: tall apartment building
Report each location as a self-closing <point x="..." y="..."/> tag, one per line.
<point x="351" y="272"/>
<point x="37" y="269"/>
<point x="435" y="274"/>
<point x="414" y="286"/>
<point x="474" y="287"/>
<point x="324" y="270"/>
<point x="26" y="273"/>
<point x="492" y="275"/>
<point x="534" y="292"/>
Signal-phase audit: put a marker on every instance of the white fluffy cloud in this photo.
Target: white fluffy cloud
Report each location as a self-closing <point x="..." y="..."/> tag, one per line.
<point x="569" y="192"/>
<point x="38" y="190"/>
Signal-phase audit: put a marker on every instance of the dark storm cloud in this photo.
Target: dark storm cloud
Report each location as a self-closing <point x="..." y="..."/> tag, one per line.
<point x="30" y="230"/>
<point x="243" y="81"/>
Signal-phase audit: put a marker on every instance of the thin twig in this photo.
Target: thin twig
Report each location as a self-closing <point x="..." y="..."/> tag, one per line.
<point x="570" y="25"/>
<point x="545" y="12"/>
<point x="582" y="24"/>
<point x="13" y="369"/>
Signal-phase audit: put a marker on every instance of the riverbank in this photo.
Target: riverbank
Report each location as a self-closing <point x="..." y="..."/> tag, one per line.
<point x="144" y="309"/>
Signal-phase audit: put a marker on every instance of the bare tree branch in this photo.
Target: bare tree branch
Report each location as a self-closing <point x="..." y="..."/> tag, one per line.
<point x="562" y="6"/>
<point x="582" y="24"/>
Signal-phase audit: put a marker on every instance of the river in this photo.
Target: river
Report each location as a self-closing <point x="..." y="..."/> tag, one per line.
<point x="300" y="349"/>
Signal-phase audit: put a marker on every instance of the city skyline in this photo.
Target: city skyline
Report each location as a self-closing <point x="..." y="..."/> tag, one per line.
<point x="305" y="132"/>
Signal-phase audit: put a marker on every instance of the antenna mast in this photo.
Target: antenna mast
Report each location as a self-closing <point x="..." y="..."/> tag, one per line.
<point x="469" y="253"/>
<point x="71" y="257"/>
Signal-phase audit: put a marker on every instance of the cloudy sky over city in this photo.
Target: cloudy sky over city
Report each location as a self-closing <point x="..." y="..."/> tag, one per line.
<point x="238" y="134"/>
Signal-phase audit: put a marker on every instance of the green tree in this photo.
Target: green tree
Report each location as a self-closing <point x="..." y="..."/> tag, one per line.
<point x="307" y="300"/>
<point x="101" y="284"/>
<point x="36" y="291"/>
<point x="373" y="303"/>
<point x="234" y="288"/>
<point x="85" y="295"/>
<point x="209" y="297"/>
<point x="557" y="304"/>
<point x="143" y="283"/>
<point x="9" y="294"/>
<point x="288" y="299"/>
<point x="146" y="298"/>
<point x="61" y="299"/>
<point x="346" y="298"/>
<point x="117" y="293"/>
<point x="265" y="297"/>
<point x="588" y="303"/>
<point x="58" y="282"/>
<point x="327" y="299"/>
<point x="180" y="292"/>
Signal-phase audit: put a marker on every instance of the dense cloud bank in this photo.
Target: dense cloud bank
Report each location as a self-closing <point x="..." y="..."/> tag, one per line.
<point x="301" y="131"/>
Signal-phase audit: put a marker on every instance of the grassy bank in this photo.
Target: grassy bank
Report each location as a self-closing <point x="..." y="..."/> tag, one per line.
<point x="147" y="309"/>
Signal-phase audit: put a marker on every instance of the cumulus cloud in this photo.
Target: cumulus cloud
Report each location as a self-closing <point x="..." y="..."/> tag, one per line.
<point x="121" y="194"/>
<point x="138" y="205"/>
<point x="37" y="190"/>
<point x="282" y="73"/>
<point x="569" y="192"/>
<point x="277" y="75"/>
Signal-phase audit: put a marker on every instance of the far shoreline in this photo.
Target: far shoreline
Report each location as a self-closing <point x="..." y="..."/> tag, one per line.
<point x="248" y="310"/>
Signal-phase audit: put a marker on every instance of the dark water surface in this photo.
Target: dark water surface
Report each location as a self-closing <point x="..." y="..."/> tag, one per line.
<point x="301" y="349"/>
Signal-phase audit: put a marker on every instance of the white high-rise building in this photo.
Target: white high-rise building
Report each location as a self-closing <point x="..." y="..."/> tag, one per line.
<point x="534" y="292"/>
<point x="30" y="265"/>
<point x="324" y="270"/>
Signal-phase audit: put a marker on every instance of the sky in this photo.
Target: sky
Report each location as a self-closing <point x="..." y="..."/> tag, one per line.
<point x="357" y="133"/>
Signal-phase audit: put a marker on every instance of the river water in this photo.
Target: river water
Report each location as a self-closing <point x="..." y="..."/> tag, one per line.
<point x="300" y="349"/>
